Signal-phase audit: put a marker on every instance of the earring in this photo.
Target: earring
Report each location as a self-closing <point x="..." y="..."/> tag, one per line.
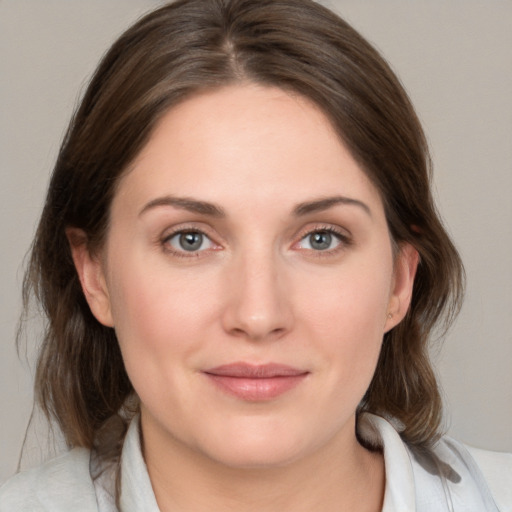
<point x="390" y="316"/>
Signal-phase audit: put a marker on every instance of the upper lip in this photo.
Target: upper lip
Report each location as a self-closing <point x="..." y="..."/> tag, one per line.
<point x="255" y="371"/>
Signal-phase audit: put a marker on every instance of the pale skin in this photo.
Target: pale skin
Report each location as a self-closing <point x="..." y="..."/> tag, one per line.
<point x="289" y="261"/>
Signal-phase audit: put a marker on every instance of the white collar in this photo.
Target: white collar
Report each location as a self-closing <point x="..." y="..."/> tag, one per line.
<point x="399" y="494"/>
<point x="136" y="490"/>
<point x="411" y="483"/>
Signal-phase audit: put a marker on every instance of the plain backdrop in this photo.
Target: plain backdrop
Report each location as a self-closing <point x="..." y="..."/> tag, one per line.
<point x="455" y="60"/>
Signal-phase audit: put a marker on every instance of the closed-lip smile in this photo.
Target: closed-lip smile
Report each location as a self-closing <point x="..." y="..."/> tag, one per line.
<point x="255" y="382"/>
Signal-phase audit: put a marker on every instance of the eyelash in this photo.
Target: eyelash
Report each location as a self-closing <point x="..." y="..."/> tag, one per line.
<point x="344" y="241"/>
<point x="165" y="242"/>
<point x="343" y="238"/>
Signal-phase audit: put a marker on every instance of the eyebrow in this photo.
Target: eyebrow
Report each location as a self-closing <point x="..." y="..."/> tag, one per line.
<point x="325" y="203"/>
<point x="213" y="210"/>
<point x="185" y="203"/>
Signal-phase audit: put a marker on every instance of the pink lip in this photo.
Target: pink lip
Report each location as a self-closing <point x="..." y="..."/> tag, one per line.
<point x="255" y="383"/>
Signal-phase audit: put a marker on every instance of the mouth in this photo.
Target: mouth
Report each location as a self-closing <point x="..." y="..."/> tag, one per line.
<point x="255" y="383"/>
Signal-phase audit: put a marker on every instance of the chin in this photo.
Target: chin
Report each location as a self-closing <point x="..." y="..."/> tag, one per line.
<point x="258" y="456"/>
<point x="256" y="446"/>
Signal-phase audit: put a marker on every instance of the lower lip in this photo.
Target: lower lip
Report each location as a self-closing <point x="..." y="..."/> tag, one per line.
<point x="256" y="390"/>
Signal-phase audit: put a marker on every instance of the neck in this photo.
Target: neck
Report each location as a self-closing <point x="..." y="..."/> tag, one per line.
<point x="341" y="476"/>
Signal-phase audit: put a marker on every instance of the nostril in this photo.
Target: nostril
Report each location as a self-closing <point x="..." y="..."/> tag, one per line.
<point x="252" y="333"/>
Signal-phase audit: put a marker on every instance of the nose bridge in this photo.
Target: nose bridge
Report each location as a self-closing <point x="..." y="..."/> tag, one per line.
<point x="259" y="303"/>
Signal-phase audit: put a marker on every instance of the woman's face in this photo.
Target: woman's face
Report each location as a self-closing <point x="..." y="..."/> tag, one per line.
<point x="248" y="272"/>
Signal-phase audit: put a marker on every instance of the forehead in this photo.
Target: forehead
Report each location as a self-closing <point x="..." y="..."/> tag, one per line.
<point x="246" y="141"/>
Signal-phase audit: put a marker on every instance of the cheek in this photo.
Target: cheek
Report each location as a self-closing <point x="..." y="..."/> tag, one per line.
<point x="356" y="297"/>
<point x="346" y="313"/>
<point x="161" y="322"/>
<point x="158" y="312"/>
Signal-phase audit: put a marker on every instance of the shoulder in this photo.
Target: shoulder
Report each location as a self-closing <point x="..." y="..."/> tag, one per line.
<point x="61" y="485"/>
<point x="447" y="476"/>
<point x="496" y="468"/>
<point x="487" y="473"/>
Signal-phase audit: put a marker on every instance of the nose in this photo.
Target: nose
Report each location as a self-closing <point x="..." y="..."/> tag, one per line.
<point x="258" y="305"/>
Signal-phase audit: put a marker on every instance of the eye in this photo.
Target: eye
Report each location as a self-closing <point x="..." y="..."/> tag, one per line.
<point x="321" y="240"/>
<point x="189" y="241"/>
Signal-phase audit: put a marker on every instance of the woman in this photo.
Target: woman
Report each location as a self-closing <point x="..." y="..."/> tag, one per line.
<point x="241" y="265"/>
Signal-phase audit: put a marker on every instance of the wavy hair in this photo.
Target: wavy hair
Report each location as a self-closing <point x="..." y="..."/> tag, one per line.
<point x="194" y="45"/>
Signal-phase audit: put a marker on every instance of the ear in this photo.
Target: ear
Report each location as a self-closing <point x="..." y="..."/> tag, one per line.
<point x="406" y="264"/>
<point x="91" y="275"/>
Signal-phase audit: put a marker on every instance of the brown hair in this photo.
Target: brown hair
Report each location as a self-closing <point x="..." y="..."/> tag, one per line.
<point x="193" y="45"/>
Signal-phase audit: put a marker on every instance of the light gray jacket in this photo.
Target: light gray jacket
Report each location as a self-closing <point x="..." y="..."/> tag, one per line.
<point x="451" y="478"/>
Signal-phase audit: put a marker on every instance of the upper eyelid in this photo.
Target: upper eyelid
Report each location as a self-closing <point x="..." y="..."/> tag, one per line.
<point x="164" y="241"/>
<point x="344" y="237"/>
<point x="337" y="230"/>
<point x="187" y="228"/>
<point x="343" y="233"/>
<point x="168" y="239"/>
<point x="169" y="233"/>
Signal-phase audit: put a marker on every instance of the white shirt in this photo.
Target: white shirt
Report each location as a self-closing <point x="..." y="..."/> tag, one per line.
<point x="473" y="480"/>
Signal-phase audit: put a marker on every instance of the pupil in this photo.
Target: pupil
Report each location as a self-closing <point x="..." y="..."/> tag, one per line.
<point x="321" y="240"/>
<point x="191" y="241"/>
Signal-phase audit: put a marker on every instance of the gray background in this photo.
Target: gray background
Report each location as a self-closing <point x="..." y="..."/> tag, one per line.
<point x="455" y="59"/>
